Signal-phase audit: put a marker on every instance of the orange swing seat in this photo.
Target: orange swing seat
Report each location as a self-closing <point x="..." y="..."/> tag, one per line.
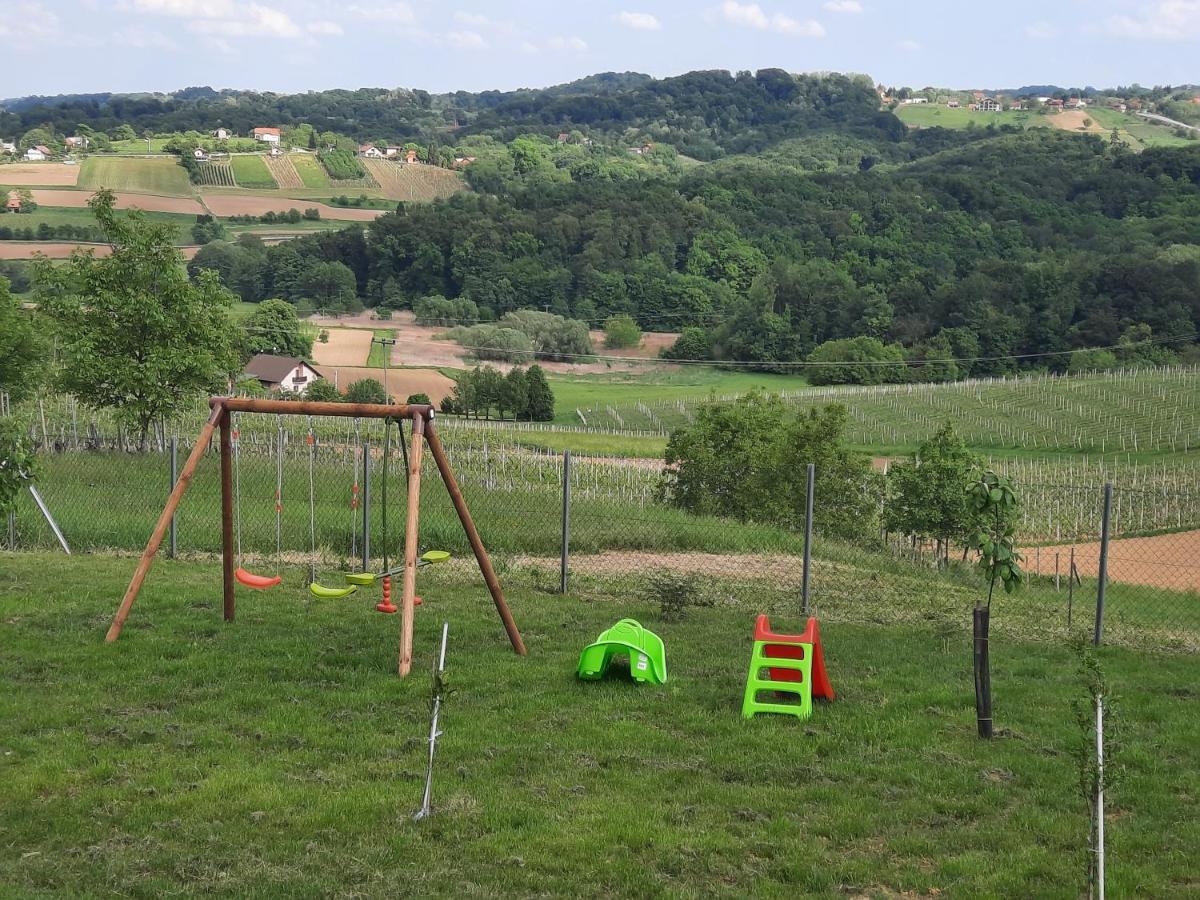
<point x="258" y="582"/>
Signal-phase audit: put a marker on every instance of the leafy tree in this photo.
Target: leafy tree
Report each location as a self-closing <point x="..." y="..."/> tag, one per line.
<point x="331" y="285"/>
<point x="692" y="343"/>
<point x="274" y="328"/>
<point x="22" y="354"/>
<point x="420" y="398"/>
<point x="926" y="496"/>
<point x="366" y="390"/>
<point x="513" y="394"/>
<point x="860" y="360"/>
<point x="17" y="462"/>
<point x="207" y="229"/>
<point x="35" y="136"/>
<point x="137" y="336"/>
<point x="748" y="460"/>
<point x="541" y="398"/>
<point x="554" y="337"/>
<point x="324" y="390"/>
<point x="621" y="332"/>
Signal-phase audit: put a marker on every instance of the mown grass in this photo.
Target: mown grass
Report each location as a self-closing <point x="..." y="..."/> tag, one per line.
<point x="251" y="171"/>
<point x="280" y="755"/>
<point x="158" y="175"/>
<point x="311" y="172"/>
<point x="380" y="353"/>
<point x="83" y="218"/>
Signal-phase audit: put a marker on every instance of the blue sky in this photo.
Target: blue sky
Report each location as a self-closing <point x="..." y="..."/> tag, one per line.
<point x="61" y="46"/>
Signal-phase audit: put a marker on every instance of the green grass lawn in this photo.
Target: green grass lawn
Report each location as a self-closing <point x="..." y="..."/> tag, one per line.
<point x="1146" y="133"/>
<point x="281" y="756"/>
<point x="311" y="172"/>
<point x="380" y="352"/>
<point x="251" y="172"/>
<point x="55" y="216"/>
<point x="159" y="175"/>
<point x="595" y="393"/>
<point x="156" y="145"/>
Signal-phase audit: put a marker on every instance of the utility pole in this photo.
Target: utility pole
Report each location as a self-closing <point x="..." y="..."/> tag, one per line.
<point x="388" y="343"/>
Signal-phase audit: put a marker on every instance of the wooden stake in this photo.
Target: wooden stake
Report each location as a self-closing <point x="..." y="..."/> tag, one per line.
<point x="164" y="521"/>
<point x="410" y="546"/>
<point x="227" y="553"/>
<point x="481" y="556"/>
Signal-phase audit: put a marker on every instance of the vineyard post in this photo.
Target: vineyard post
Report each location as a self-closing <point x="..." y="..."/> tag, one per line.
<point x="564" y="562"/>
<point x="1102" y="581"/>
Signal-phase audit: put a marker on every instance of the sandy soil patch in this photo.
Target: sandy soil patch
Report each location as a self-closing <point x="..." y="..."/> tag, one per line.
<point x="345" y="347"/>
<point x="1170" y="561"/>
<point x="400" y="383"/>
<point x="56" y="250"/>
<point x="125" y="200"/>
<point x="247" y="205"/>
<point x="24" y="174"/>
<point x="652" y="343"/>
<point x="1073" y="120"/>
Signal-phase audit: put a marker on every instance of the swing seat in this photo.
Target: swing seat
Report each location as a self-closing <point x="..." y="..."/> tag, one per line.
<point x="258" y="582"/>
<point x="366" y="579"/>
<point x="328" y="593"/>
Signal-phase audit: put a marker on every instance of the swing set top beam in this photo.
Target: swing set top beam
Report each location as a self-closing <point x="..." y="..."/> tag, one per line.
<point x="321" y="408"/>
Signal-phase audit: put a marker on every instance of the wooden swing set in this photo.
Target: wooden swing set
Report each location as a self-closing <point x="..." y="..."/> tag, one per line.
<point x="423" y="432"/>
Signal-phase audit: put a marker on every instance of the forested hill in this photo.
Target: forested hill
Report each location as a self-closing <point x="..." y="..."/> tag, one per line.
<point x="994" y="246"/>
<point x="702" y="114"/>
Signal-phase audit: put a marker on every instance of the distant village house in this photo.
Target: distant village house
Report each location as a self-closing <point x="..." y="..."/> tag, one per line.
<point x="77" y="142"/>
<point x="38" y="153"/>
<point x="14" y="202"/>
<point x="267" y="135"/>
<point x="989" y="104"/>
<point x="370" y="151"/>
<point x="281" y="373"/>
<point x="221" y="134"/>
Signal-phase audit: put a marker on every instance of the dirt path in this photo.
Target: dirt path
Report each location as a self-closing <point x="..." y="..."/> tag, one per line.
<point x="1169" y="561"/>
<point x="346" y="347"/>
<point x="48" y="173"/>
<point x="222" y="204"/>
<point x="125" y="200"/>
<point x="60" y="250"/>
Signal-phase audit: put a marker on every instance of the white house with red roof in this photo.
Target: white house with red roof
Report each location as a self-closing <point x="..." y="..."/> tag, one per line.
<point x="267" y="135"/>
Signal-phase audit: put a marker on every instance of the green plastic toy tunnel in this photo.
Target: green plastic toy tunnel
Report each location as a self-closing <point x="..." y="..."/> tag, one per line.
<point x="647" y="656"/>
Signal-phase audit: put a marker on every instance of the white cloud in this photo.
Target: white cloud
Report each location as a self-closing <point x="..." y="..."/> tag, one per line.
<point x="567" y="44"/>
<point x="1166" y="20"/>
<point x="638" y="21"/>
<point x="475" y="19"/>
<point x="751" y="15"/>
<point x="224" y="17"/>
<point x="392" y="13"/>
<point x="466" y="40"/>
<point x="909" y="44"/>
<point x="1040" y="31"/>
<point x="844" y="6"/>
<point x="28" y="21"/>
<point x="530" y="48"/>
<point x="796" y="28"/>
<point x="323" y="27"/>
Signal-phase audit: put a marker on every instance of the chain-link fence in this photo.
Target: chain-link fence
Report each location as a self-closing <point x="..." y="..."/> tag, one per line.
<point x="312" y="507"/>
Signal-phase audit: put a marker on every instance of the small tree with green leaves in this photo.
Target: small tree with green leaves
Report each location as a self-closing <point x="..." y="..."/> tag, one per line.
<point x="16" y="462"/>
<point x="994" y="502"/>
<point x="137" y="335"/>
<point x="323" y="390"/>
<point x="366" y="390"/>
<point x="621" y="332"/>
<point x="21" y="350"/>
<point x="541" y="398"/>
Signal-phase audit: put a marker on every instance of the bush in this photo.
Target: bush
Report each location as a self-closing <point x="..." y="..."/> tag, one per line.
<point x="342" y="165"/>
<point x="621" y="332"/>
<point x="553" y="337"/>
<point x="422" y="399"/>
<point x="692" y="343"/>
<point x="674" y="592"/>
<point x="492" y="342"/>
<point x="440" y="311"/>
<point x="366" y="390"/>
<point x="860" y="360"/>
<point x="323" y="390"/>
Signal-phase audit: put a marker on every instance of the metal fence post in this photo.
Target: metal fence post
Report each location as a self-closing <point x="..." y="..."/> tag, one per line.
<point x="1102" y="582"/>
<point x="808" y="525"/>
<point x="366" y="506"/>
<point x="171" y="547"/>
<point x="566" y="522"/>
<point x="12" y="531"/>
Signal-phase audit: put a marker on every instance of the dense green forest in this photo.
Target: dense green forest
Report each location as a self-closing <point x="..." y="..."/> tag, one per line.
<point x="817" y="226"/>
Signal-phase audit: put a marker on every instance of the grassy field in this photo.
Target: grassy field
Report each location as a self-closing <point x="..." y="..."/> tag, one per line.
<point x="380" y="352"/>
<point x="594" y="394"/>
<point x="162" y="176"/>
<point x="311" y="172"/>
<point x="55" y="215"/>
<point x="1133" y="129"/>
<point x="156" y="145"/>
<point x="281" y="756"/>
<point x="251" y="172"/>
<point x="1141" y="413"/>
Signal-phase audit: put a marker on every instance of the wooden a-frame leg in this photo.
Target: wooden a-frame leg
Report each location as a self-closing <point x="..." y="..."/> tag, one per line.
<point x="411" y="535"/>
